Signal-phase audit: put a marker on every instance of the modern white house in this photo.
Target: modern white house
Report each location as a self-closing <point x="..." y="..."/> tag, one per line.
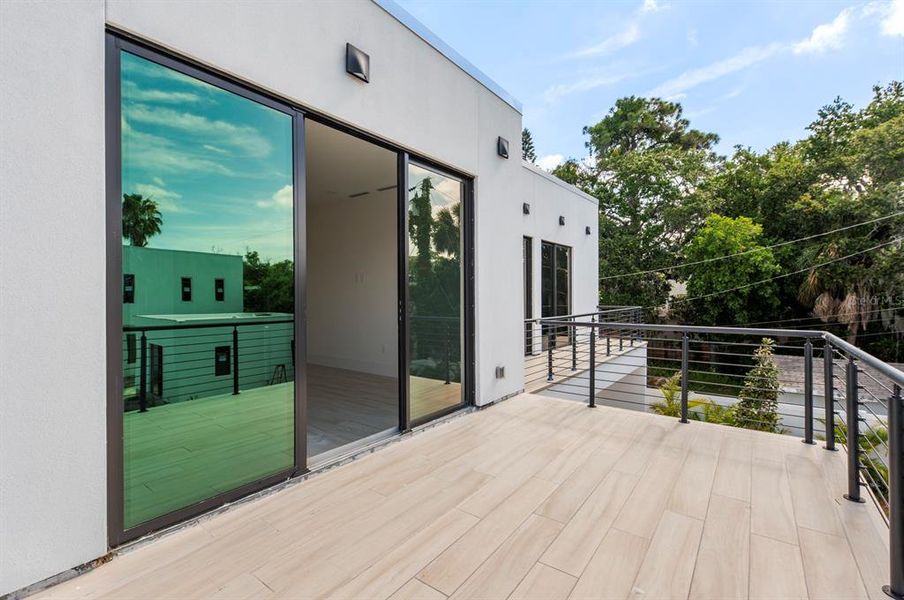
<point x="257" y="238"/>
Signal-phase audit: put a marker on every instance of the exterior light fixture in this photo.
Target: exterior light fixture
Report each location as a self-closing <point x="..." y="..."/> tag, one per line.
<point x="500" y="372"/>
<point x="525" y="208"/>
<point x="561" y="220"/>
<point x="357" y="63"/>
<point x="502" y="147"/>
<point x="587" y="230"/>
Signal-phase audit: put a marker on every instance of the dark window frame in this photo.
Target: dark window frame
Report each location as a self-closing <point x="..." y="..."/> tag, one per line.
<point x="128" y="288"/>
<point x="222" y="361"/>
<point x="219" y="289"/>
<point x="183" y="293"/>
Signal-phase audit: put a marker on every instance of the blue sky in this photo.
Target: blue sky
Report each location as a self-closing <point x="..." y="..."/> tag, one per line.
<point x="218" y="165"/>
<point x="753" y="72"/>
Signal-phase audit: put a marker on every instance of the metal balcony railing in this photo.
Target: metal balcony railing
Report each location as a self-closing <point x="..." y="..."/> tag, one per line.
<point x="808" y="383"/>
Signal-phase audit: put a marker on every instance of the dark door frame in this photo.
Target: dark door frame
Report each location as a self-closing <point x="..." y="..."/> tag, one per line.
<point x="117" y="41"/>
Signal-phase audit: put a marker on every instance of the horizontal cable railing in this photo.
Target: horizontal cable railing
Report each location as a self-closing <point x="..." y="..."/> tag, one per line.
<point x="166" y="364"/>
<point x="806" y="383"/>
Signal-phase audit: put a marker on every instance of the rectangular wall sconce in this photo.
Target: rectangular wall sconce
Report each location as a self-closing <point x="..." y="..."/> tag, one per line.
<point x="357" y="63"/>
<point x="587" y="230"/>
<point x="525" y="208"/>
<point x="500" y="372"/>
<point x="561" y="220"/>
<point x="502" y="147"/>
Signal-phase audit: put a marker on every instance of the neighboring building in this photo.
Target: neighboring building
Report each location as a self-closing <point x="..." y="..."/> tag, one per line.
<point x="373" y="171"/>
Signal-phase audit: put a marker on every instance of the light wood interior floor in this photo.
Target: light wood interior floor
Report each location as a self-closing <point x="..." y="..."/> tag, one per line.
<point x="534" y="498"/>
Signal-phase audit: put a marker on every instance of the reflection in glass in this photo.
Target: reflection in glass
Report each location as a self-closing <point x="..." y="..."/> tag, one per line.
<point x="209" y="290"/>
<point x="555" y="288"/>
<point x="434" y="291"/>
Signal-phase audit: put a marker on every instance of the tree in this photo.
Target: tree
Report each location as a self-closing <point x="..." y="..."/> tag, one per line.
<point x="647" y="167"/>
<point x="757" y="406"/>
<point x="528" y="152"/>
<point x="141" y="219"/>
<point x="268" y="287"/>
<point x="720" y="237"/>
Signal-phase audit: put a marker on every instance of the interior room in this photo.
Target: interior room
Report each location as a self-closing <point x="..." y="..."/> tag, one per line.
<point x="351" y="291"/>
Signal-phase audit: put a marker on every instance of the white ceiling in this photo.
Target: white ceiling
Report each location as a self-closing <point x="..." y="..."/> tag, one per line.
<point x="340" y="165"/>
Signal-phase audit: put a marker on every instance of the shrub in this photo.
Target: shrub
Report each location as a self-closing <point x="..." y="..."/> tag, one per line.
<point x="757" y="406"/>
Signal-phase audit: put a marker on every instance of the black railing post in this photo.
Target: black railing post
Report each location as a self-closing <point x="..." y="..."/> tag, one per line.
<point x="235" y="361"/>
<point x="550" y="344"/>
<point x="808" y="393"/>
<point x="895" y="589"/>
<point x="592" y="386"/>
<point x="448" y="337"/>
<point x="608" y="344"/>
<point x="685" y="345"/>
<point x="828" y="374"/>
<point x="853" y="432"/>
<point x="143" y="376"/>
<point x="574" y="346"/>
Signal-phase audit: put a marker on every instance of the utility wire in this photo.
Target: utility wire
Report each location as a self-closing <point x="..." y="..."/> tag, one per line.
<point x="708" y="260"/>
<point x="742" y="287"/>
<point x="813" y="318"/>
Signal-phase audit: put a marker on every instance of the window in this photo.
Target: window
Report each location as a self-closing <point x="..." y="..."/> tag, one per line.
<point x="555" y="286"/>
<point x="222" y="363"/>
<point x="130" y="348"/>
<point x="228" y="149"/>
<point x="156" y="369"/>
<point x="128" y="288"/>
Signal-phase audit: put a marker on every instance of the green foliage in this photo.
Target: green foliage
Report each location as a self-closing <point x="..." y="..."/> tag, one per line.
<point x="671" y="397"/>
<point x="699" y="409"/>
<point x="723" y="236"/>
<point x="757" y="406"/>
<point x="873" y="444"/>
<point x="141" y="219"/>
<point x="647" y="167"/>
<point x="268" y="287"/>
<point x="528" y="152"/>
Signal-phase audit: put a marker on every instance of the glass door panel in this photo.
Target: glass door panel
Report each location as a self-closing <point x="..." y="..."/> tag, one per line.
<point x="435" y="317"/>
<point x="208" y="290"/>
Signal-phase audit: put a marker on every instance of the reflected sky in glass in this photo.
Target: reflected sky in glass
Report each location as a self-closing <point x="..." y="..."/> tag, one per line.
<point x="218" y="166"/>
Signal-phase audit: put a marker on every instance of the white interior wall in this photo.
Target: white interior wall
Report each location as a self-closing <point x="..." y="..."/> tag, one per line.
<point x="52" y="298"/>
<point x="352" y="286"/>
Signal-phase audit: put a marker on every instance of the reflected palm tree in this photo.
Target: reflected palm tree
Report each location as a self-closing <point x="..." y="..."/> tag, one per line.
<point x="141" y="219"/>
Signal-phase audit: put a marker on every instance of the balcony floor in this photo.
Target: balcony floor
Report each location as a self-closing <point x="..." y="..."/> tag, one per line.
<point x="534" y="498"/>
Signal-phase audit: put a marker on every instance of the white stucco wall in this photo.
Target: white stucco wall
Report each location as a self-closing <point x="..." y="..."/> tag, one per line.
<point x="52" y="311"/>
<point x="52" y="246"/>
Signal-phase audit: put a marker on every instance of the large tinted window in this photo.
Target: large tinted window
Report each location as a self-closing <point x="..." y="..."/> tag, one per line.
<point x="207" y="199"/>
<point x="434" y="291"/>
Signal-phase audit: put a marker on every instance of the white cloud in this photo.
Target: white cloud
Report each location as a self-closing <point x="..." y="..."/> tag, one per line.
<point x="692" y="37"/>
<point x="131" y="91"/>
<point x="691" y="79"/>
<point x="893" y="23"/>
<point x="167" y="200"/>
<point x="650" y="6"/>
<point x="158" y="154"/>
<point x="612" y="43"/>
<point x="828" y="36"/>
<point x="282" y="198"/>
<point x="555" y="92"/>
<point x="550" y="161"/>
<point x="242" y="137"/>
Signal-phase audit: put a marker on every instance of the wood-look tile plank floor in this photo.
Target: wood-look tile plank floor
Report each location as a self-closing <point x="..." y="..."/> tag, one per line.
<point x="533" y="498"/>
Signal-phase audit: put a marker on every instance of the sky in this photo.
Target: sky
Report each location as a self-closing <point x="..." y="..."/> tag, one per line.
<point x="755" y="73"/>
<point x="218" y="165"/>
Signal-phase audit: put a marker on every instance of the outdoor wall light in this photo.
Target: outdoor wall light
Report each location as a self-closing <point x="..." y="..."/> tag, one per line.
<point x="561" y="220"/>
<point x="525" y="208"/>
<point x="500" y="372"/>
<point x="502" y="147"/>
<point x="587" y="230"/>
<point x="357" y="63"/>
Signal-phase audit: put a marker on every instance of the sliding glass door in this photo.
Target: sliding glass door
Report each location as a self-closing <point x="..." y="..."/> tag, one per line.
<point x="206" y="207"/>
<point x="555" y="287"/>
<point x="435" y="292"/>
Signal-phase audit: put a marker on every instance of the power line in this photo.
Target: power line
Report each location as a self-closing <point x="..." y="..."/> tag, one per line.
<point x="708" y="260"/>
<point x="814" y="318"/>
<point x="745" y="286"/>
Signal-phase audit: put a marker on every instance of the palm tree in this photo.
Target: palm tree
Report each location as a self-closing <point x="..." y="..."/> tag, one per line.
<point x="446" y="232"/>
<point x="140" y="219"/>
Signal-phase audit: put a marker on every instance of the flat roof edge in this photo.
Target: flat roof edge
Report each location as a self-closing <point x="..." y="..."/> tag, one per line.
<point x="423" y="32"/>
<point x="529" y="166"/>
